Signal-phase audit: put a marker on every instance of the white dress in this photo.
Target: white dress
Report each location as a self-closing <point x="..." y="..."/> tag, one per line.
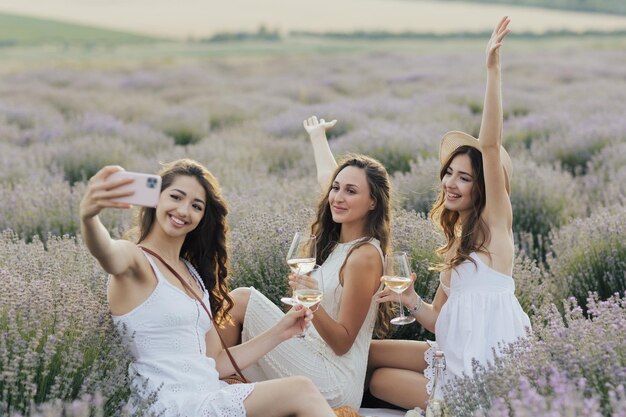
<point x="480" y="313"/>
<point x="340" y="379"/>
<point x="166" y="337"/>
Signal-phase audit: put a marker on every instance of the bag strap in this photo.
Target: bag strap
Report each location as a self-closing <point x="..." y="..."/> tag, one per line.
<point x="189" y="289"/>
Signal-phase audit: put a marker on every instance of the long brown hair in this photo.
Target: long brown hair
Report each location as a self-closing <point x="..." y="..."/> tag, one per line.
<point x="378" y="221"/>
<point x="205" y="246"/>
<point x="473" y="233"/>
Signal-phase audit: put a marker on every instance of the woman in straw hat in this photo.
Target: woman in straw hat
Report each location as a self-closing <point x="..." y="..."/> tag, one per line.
<point x="474" y="308"/>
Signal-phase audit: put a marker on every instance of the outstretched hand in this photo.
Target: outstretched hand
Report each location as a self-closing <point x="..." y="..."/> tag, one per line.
<point x="315" y="128"/>
<point x="495" y="42"/>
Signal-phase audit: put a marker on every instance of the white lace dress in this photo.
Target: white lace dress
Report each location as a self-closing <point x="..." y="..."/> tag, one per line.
<point x="481" y="312"/>
<point x="340" y="379"/>
<point x="166" y="336"/>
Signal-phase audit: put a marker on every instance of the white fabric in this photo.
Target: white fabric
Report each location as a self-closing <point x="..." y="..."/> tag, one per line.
<point x="480" y="313"/>
<point x="340" y="379"/>
<point x="166" y="336"/>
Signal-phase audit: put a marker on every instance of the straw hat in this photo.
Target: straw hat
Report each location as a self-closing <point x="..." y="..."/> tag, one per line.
<point x="455" y="139"/>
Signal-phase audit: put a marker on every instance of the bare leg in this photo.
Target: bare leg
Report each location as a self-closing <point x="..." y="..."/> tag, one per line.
<point x="293" y="396"/>
<point x="232" y="332"/>
<point x="398" y="372"/>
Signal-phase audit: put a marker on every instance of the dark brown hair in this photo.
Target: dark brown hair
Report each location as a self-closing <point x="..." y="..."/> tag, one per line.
<point x="473" y="232"/>
<point x="378" y="221"/>
<point x="205" y="246"/>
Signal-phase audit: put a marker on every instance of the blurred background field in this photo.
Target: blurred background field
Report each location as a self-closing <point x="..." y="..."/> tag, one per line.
<point x="74" y="98"/>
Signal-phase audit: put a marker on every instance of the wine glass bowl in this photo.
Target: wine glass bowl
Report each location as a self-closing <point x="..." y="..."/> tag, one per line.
<point x="300" y="258"/>
<point x="309" y="288"/>
<point x="397" y="277"/>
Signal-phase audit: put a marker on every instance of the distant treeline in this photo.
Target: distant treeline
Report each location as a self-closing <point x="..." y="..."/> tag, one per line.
<point x="383" y="35"/>
<point x="597" y="6"/>
<point x="266" y="35"/>
<point x="262" y="34"/>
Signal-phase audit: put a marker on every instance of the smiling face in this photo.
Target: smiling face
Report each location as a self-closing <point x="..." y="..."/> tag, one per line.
<point x="349" y="197"/>
<point x="458" y="184"/>
<point x="181" y="206"/>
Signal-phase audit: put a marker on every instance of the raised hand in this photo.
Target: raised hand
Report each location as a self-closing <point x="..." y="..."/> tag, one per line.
<point x="317" y="128"/>
<point x="495" y="42"/>
<point x="101" y="190"/>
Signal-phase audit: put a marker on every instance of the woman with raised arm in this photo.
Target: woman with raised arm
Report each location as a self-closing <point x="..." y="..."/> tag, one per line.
<point x="474" y="308"/>
<point x="352" y="230"/>
<point x="175" y="347"/>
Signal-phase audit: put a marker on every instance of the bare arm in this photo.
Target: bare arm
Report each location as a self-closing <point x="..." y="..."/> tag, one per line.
<point x="245" y="354"/>
<point x="324" y="159"/>
<point x="117" y="257"/>
<point x="360" y="281"/>
<point x="498" y="211"/>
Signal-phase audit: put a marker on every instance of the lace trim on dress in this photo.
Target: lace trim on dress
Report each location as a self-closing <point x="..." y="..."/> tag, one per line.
<point x="227" y="402"/>
<point x="429" y="372"/>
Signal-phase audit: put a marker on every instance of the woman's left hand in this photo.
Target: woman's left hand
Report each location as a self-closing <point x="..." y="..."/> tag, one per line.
<point x="494" y="44"/>
<point x="295" y="321"/>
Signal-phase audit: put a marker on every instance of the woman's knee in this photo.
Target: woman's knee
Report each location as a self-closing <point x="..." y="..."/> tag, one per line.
<point x="378" y="382"/>
<point x="241" y="297"/>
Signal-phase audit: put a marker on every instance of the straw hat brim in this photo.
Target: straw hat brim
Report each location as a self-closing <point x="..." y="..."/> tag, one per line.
<point x="453" y="140"/>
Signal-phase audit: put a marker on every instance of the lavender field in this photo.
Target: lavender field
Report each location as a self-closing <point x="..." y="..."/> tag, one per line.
<point x="241" y="115"/>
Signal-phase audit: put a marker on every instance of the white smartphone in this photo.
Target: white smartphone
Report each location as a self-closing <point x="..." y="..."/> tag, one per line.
<point x="147" y="188"/>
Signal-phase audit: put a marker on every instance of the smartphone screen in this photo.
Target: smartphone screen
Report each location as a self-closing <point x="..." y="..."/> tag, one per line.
<point x="146" y="187"/>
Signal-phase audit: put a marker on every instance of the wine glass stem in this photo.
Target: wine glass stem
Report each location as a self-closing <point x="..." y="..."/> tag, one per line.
<point x="401" y="307"/>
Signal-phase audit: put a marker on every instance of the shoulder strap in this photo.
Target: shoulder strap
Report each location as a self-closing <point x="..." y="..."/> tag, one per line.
<point x="190" y="290"/>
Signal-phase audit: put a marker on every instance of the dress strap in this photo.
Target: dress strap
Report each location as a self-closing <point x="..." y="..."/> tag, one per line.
<point x="155" y="268"/>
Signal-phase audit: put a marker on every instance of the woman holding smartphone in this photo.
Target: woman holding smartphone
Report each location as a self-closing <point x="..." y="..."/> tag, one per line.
<point x="175" y="347"/>
<point x="475" y="308"/>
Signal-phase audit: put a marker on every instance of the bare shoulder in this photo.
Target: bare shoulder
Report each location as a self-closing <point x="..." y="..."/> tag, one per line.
<point x="365" y="256"/>
<point x="130" y="261"/>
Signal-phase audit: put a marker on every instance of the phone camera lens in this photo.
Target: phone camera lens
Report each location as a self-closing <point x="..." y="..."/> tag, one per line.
<point x="151" y="182"/>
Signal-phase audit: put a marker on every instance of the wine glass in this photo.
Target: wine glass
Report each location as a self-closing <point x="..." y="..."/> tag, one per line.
<point x="300" y="258"/>
<point x="397" y="277"/>
<point x="309" y="288"/>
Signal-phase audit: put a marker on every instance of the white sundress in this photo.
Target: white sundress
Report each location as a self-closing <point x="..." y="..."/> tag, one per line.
<point x="481" y="312"/>
<point x="340" y="379"/>
<point x="166" y="336"/>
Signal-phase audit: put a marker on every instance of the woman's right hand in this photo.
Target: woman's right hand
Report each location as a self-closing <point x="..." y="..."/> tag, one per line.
<point x="101" y="191"/>
<point x="408" y="296"/>
<point x="317" y="128"/>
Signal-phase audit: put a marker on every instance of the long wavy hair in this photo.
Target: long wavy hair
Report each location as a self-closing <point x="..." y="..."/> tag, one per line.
<point x="205" y="246"/>
<point x="473" y="232"/>
<point x="378" y="222"/>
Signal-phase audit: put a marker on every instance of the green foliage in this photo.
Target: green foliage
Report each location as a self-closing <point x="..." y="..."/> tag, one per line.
<point x="542" y="198"/>
<point x="58" y="340"/>
<point x="590" y="255"/>
<point x="21" y="30"/>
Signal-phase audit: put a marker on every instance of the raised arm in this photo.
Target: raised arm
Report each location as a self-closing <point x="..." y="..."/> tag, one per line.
<point x="324" y="159"/>
<point x="115" y="256"/>
<point x="498" y="210"/>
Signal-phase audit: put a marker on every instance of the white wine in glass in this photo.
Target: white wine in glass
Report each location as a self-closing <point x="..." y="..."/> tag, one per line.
<point x="397" y="277"/>
<point x="300" y="258"/>
<point x="309" y="289"/>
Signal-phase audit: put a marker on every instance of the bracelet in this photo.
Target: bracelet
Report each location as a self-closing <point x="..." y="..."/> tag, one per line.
<point x="413" y="311"/>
